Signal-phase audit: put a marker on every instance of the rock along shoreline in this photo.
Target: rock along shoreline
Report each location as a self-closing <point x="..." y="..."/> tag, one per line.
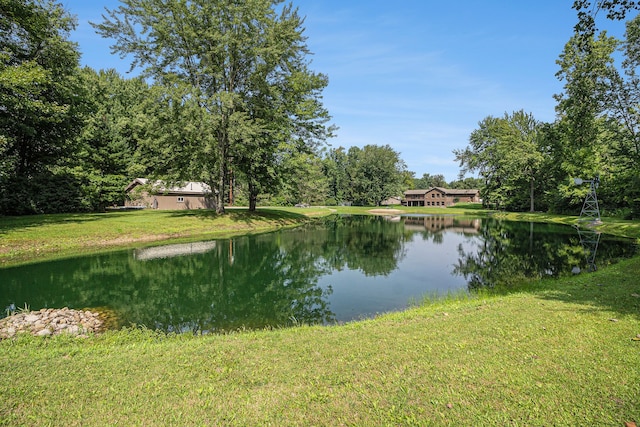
<point x="50" y="321"/>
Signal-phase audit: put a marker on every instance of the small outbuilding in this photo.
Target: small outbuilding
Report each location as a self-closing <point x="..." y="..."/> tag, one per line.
<point x="438" y="196"/>
<point x="159" y="195"/>
<point x="391" y="201"/>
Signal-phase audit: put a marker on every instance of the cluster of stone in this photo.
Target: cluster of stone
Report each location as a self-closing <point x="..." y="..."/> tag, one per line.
<point x="49" y="321"/>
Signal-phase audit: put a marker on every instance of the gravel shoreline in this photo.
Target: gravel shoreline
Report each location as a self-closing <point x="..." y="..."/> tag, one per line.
<point x="49" y="321"/>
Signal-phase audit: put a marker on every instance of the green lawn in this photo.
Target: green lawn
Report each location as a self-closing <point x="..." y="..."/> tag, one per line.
<point x="38" y="237"/>
<point x="554" y="352"/>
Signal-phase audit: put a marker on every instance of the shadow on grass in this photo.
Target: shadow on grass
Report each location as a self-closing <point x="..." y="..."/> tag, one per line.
<point x="10" y="223"/>
<point x="275" y="216"/>
<point x="469" y="207"/>
<point x="615" y="288"/>
<point x="243" y="215"/>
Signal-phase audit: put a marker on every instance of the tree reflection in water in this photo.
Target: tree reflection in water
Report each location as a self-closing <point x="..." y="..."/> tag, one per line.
<point x="258" y="281"/>
<point x="361" y="265"/>
<point x="509" y="251"/>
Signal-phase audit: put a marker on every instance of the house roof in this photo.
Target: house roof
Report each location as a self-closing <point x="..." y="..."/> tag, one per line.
<point x="438" y="189"/>
<point x="456" y="191"/>
<point x="448" y="191"/>
<point x="187" y="187"/>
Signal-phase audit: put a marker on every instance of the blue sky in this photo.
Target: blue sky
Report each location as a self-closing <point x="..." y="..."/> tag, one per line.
<point x="417" y="75"/>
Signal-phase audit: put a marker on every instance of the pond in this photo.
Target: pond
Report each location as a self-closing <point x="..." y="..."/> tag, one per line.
<point x="333" y="270"/>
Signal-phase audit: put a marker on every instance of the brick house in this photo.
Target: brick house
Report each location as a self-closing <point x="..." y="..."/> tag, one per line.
<point x="438" y="196"/>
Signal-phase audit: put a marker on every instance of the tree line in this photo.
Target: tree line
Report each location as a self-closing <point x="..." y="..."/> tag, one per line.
<point x="226" y="96"/>
<point x="231" y="91"/>
<point x="526" y="164"/>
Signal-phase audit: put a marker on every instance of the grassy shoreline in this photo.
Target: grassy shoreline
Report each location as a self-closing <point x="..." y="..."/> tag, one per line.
<point x="42" y="237"/>
<point x="552" y="352"/>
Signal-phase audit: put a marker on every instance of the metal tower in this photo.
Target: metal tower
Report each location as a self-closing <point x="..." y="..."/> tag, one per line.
<point x="590" y="209"/>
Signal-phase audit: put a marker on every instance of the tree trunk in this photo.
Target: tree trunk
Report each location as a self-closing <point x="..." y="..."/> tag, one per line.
<point x="220" y="197"/>
<point x="222" y="175"/>
<point x="531" y="196"/>
<point x="252" y="202"/>
<point x="253" y="196"/>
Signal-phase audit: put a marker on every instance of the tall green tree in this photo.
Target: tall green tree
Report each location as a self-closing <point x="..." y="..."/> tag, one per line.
<point x="40" y="98"/>
<point x="376" y="173"/>
<point x="467" y="183"/>
<point x="243" y="65"/>
<point x="505" y="153"/>
<point x="558" y="194"/>
<point x="587" y="11"/>
<point x="305" y="180"/>
<point x="621" y="99"/>
<point x="584" y="73"/>
<point x="335" y="169"/>
<point x="428" y="181"/>
<point x="111" y="135"/>
<point x="586" y="70"/>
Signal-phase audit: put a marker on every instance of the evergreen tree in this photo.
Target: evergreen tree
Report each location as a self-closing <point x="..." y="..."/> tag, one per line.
<point x="40" y="99"/>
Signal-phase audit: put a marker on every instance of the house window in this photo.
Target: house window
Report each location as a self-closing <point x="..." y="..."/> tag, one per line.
<point x="180" y="199"/>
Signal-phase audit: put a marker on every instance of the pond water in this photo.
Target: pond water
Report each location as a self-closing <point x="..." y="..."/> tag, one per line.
<point x="336" y="269"/>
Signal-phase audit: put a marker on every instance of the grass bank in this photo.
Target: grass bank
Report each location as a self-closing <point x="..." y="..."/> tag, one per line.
<point x="39" y="237"/>
<point x="614" y="226"/>
<point x="552" y="352"/>
<point x="560" y="353"/>
<point x="42" y="237"/>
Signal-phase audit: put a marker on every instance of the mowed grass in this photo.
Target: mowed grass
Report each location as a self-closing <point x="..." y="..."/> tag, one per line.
<point x="561" y="353"/>
<point x="551" y="352"/>
<point x="41" y="237"/>
<point x="38" y="237"/>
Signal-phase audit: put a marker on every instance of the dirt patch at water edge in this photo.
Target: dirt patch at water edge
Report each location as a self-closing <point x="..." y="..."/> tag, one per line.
<point x="385" y="211"/>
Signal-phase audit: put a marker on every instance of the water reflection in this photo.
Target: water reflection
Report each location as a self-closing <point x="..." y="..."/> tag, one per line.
<point x="441" y="223"/>
<point x="506" y="252"/>
<point x="336" y="269"/>
<point x="250" y="282"/>
<point x="589" y="240"/>
<point x="168" y="251"/>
